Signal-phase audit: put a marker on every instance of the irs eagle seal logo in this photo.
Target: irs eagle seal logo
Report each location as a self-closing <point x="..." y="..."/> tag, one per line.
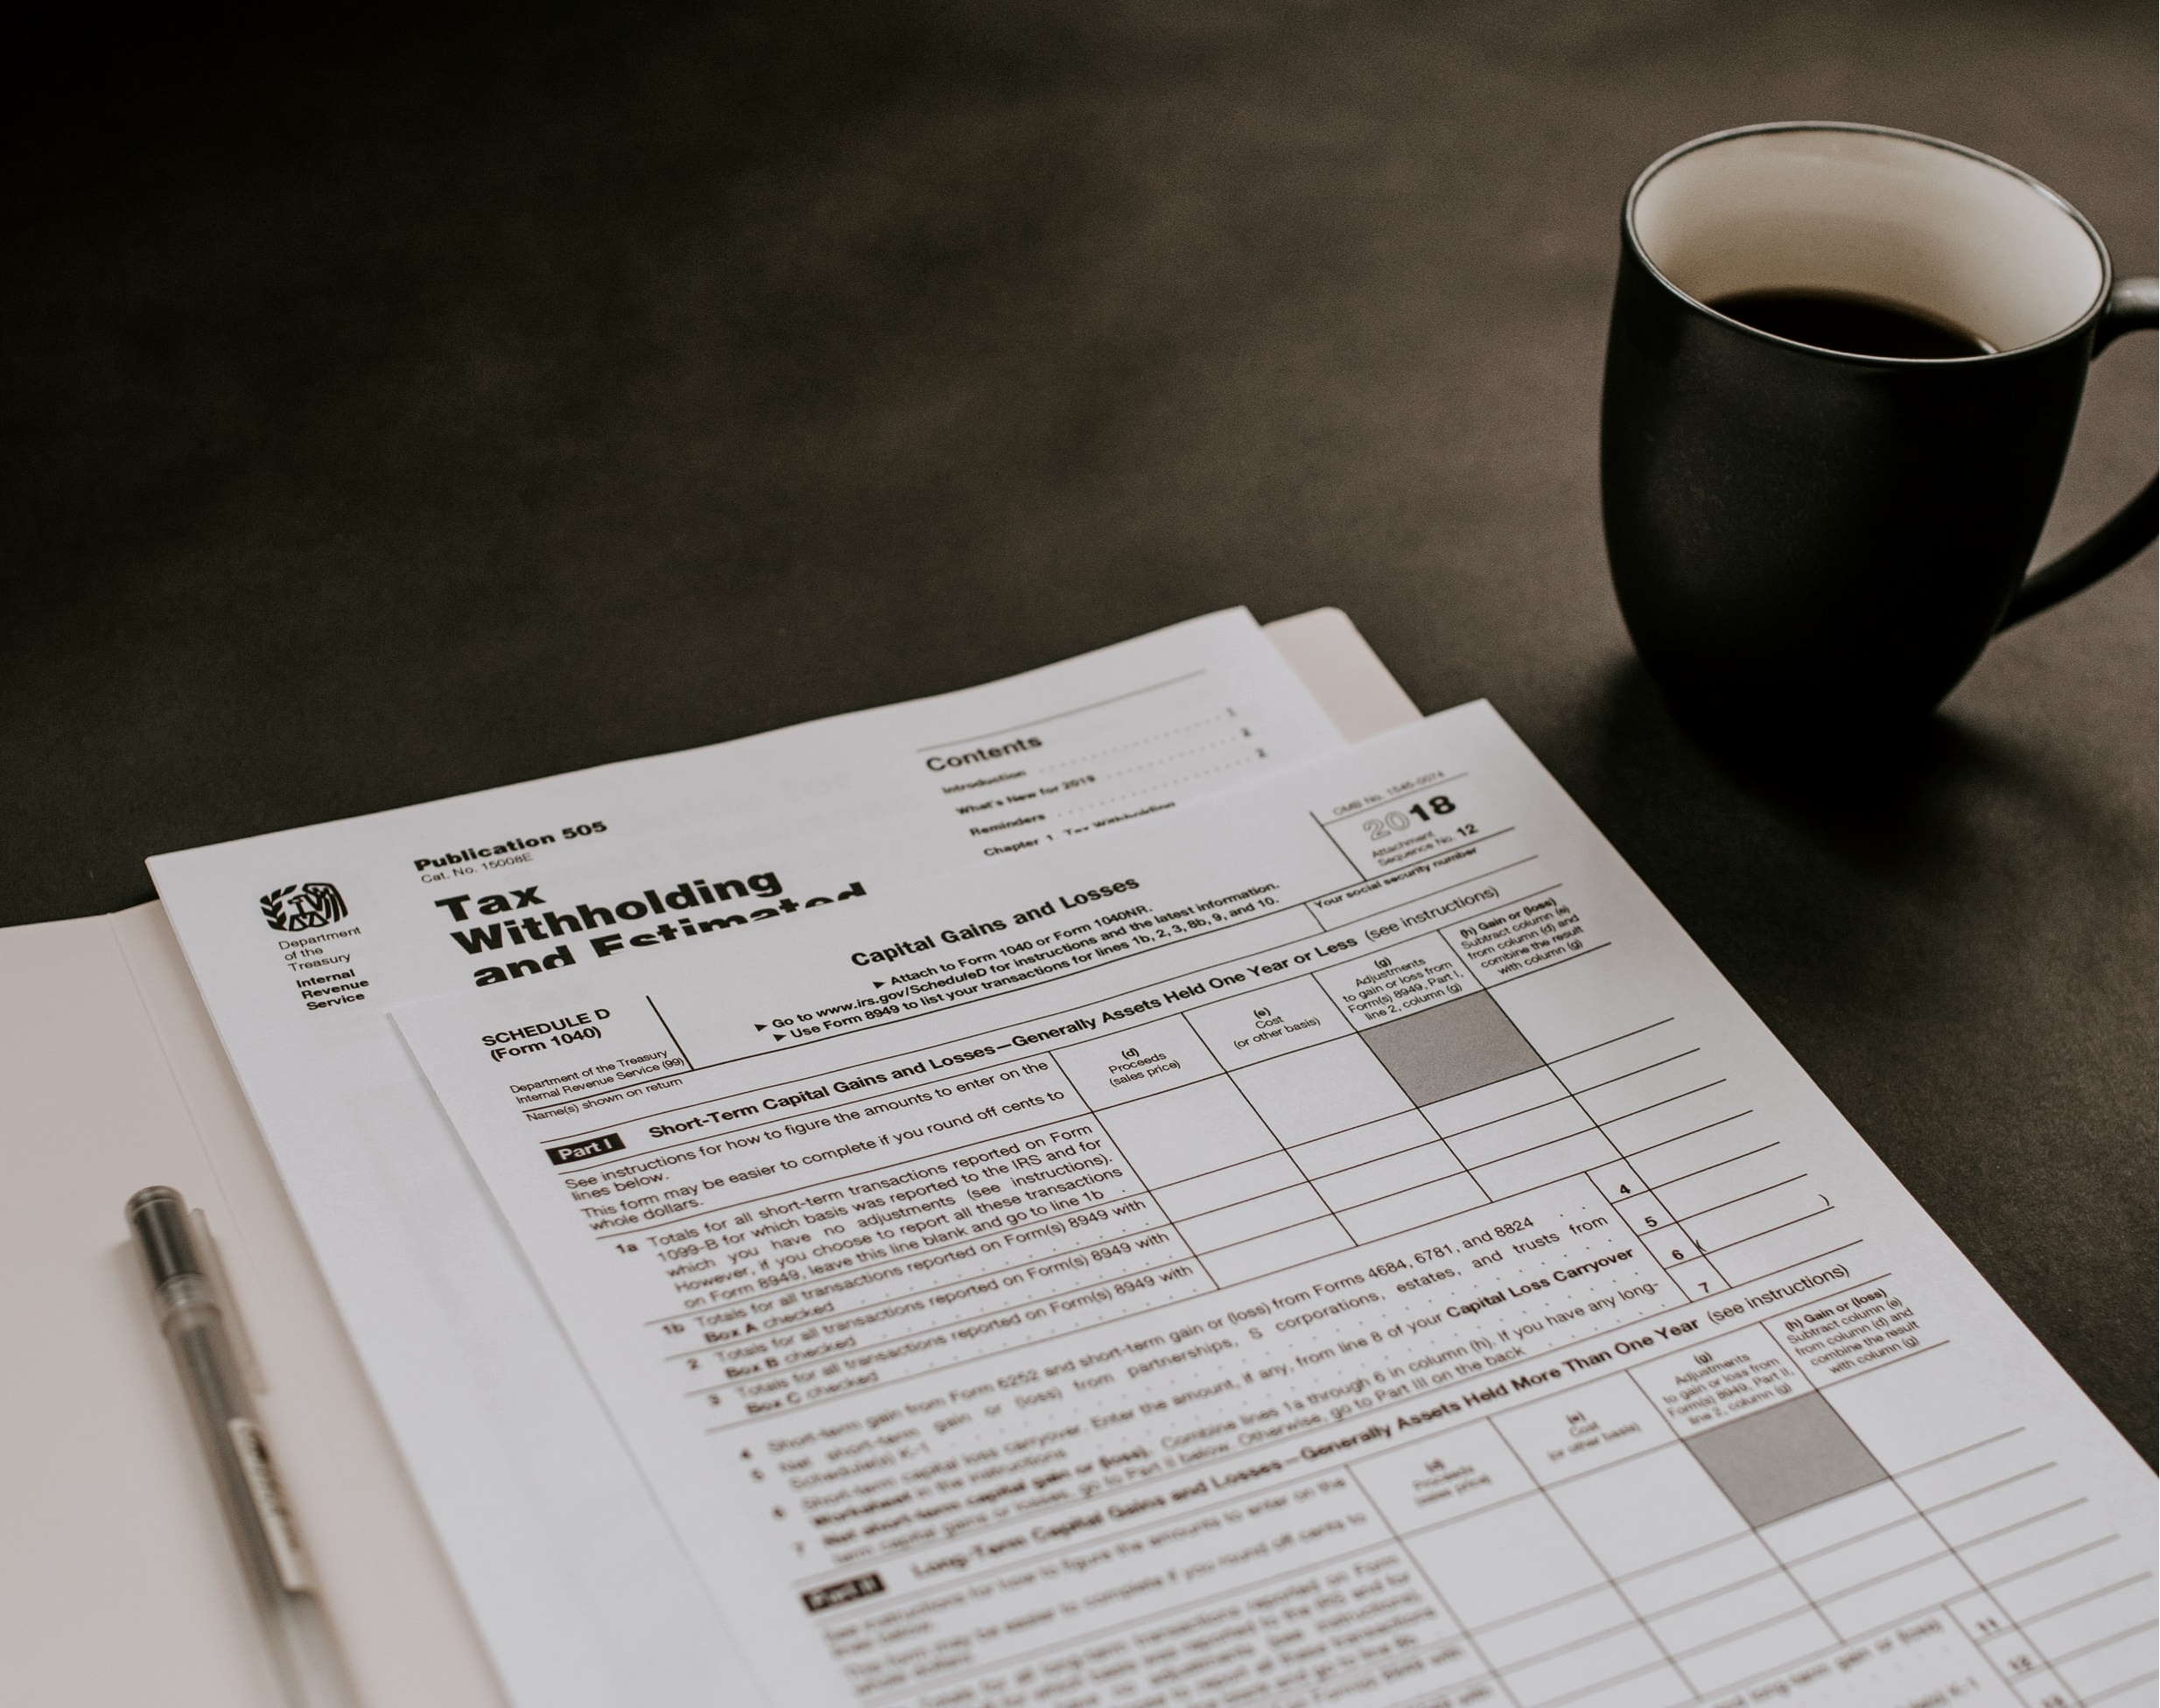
<point x="303" y="906"/>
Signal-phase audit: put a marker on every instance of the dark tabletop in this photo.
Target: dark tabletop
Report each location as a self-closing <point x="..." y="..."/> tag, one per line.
<point x="392" y="409"/>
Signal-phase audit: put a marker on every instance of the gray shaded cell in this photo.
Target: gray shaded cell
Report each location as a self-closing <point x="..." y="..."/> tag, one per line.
<point x="1785" y="1459"/>
<point x="1456" y="1047"/>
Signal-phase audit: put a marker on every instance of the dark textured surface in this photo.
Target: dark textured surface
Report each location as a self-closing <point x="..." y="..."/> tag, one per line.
<point x="390" y="412"/>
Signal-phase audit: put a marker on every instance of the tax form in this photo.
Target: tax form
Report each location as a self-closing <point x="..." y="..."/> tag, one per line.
<point x="298" y="941"/>
<point x="1343" y="1243"/>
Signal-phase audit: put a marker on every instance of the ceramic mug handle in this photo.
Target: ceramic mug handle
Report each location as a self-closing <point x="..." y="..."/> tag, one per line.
<point x="2132" y="307"/>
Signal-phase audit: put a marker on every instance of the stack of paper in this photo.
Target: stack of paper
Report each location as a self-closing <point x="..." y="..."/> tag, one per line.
<point x="1092" y="1190"/>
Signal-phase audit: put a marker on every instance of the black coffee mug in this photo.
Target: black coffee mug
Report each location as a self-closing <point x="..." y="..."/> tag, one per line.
<point x="1793" y="527"/>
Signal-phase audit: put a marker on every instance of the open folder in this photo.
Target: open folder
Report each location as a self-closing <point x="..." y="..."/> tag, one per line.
<point x="117" y="1584"/>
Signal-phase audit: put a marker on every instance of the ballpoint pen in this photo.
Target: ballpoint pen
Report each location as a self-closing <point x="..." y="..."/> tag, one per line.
<point x="186" y="1288"/>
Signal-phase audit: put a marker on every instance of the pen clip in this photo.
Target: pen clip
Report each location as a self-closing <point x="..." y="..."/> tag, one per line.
<point x="236" y="1324"/>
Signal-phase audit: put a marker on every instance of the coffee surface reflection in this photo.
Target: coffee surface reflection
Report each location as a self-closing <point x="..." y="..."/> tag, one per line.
<point x="1859" y="325"/>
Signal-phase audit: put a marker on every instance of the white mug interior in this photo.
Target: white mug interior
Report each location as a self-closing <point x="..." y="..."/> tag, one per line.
<point x="1872" y="214"/>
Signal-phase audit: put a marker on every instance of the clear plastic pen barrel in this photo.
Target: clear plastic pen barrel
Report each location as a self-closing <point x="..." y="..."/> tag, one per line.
<point x="302" y="1649"/>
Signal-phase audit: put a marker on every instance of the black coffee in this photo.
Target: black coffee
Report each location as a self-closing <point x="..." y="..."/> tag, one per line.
<point x="1862" y="326"/>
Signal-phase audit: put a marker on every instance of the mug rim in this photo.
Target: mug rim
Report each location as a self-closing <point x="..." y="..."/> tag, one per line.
<point x="1712" y="139"/>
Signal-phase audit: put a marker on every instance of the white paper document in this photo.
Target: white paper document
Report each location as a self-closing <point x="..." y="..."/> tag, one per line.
<point x="300" y="941"/>
<point x="1342" y="1242"/>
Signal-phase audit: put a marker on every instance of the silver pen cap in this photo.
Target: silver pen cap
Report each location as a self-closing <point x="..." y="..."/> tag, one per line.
<point x="165" y="1234"/>
<point x="182" y="1261"/>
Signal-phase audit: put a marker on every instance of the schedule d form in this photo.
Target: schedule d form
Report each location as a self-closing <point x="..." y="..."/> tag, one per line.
<point x="1340" y="1242"/>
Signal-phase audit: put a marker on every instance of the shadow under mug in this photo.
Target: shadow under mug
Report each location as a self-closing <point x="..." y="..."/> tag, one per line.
<point x="1798" y="532"/>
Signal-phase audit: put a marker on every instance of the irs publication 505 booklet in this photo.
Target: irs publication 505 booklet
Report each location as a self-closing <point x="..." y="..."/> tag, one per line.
<point x="300" y="941"/>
